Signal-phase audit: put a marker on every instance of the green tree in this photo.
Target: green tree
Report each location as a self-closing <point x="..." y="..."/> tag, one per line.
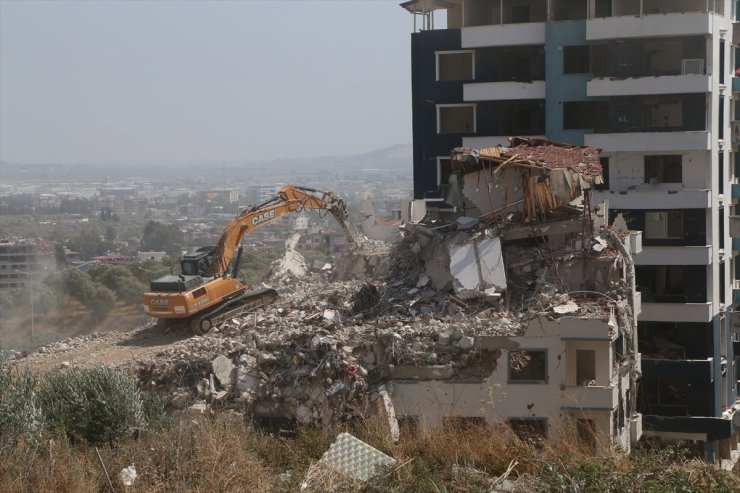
<point x="162" y="237"/>
<point x="88" y="243"/>
<point x="120" y="280"/>
<point x="110" y="233"/>
<point x="254" y="264"/>
<point x="97" y="298"/>
<point x="102" y="302"/>
<point x="59" y="256"/>
<point x="11" y="300"/>
<point x="148" y="270"/>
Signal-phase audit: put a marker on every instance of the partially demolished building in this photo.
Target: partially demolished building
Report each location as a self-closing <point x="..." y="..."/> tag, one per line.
<point x="520" y="314"/>
<point x="653" y="84"/>
<point x="559" y="345"/>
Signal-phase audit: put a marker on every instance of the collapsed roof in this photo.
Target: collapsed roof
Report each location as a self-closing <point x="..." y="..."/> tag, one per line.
<point x="530" y="178"/>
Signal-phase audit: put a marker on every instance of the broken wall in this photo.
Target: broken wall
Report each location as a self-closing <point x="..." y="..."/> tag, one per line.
<point x="553" y="395"/>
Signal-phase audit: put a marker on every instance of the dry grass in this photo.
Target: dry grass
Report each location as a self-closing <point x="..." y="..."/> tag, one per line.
<point x="223" y="454"/>
<point x="71" y="320"/>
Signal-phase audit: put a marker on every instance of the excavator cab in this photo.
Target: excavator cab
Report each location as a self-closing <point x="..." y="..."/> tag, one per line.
<point x="197" y="263"/>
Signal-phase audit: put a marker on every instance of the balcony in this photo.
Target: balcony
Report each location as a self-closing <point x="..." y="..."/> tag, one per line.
<point x="691" y="370"/>
<point x="528" y="33"/>
<point x="676" y="312"/>
<point x="503" y="91"/>
<point x="735" y="226"/>
<point x="652" y="197"/>
<point x="586" y="329"/>
<point x="709" y="428"/>
<point x="674" y="255"/>
<point x="650" y="141"/>
<point x="671" y="24"/>
<point x="633" y="86"/>
<point x="590" y="397"/>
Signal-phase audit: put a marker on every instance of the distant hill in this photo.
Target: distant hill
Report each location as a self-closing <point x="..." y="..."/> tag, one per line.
<point x="394" y="157"/>
<point x="397" y="157"/>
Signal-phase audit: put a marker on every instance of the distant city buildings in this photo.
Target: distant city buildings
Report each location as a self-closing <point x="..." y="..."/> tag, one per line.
<point x="22" y="259"/>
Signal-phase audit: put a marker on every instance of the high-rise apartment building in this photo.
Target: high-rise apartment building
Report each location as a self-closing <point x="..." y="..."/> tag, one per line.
<point x="650" y="83"/>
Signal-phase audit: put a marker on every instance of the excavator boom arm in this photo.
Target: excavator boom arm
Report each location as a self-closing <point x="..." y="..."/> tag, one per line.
<point x="291" y="198"/>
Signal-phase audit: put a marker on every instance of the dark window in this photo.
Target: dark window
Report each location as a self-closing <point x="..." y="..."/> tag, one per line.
<point x="455" y="66"/>
<point x="519" y="14"/>
<point x="456" y="119"/>
<point x="604" y="174"/>
<point x="663" y="169"/>
<point x="445" y="170"/>
<point x="586" y="433"/>
<point x="528" y="366"/>
<point x="603" y="8"/>
<point x="199" y="292"/>
<point x="585" y="367"/>
<point x="664" y="224"/>
<point x="451" y="424"/>
<point x="575" y="59"/>
<point x="532" y="430"/>
<point x="589" y="115"/>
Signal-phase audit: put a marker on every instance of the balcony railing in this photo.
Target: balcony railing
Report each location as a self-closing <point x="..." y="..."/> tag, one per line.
<point x="694" y="370"/>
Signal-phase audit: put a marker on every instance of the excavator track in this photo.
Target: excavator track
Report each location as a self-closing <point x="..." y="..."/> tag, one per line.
<point x="237" y="304"/>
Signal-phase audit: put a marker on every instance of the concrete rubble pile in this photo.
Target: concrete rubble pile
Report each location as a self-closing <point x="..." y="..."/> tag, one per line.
<point x="325" y="351"/>
<point x="440" y="305"/>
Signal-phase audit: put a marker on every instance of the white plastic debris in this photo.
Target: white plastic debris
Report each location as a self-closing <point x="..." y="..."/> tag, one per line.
<point x="569" y="307"/>
<point x="354" y="457"/>
<point x="423" y="281"/>
<point x="128" y="475"/>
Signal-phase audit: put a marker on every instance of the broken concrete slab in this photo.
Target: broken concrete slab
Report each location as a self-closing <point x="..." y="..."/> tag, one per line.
<point x="466" y="342"/>
<point x="389" y="412"/>
<point x="465" y="222"/>
<point x="224" y="370"/>
<point x="477" y="266"/>
<point x="436" y="372"/>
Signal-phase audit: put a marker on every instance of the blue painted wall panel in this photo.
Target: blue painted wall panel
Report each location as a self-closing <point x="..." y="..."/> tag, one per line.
<point x="562" y="87"/>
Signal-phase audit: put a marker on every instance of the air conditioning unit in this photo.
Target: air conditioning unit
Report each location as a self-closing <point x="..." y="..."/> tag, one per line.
<point x="692" y="66"/>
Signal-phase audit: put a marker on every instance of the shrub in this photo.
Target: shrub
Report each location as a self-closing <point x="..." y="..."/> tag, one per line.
<point x="120" y="280"/>
<point x="98" y="299"/>
<point x="92" y="404"/>
<point x="19" y="413"/>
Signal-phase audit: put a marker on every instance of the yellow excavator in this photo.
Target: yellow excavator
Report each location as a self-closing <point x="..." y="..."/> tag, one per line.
<point x="207" y="290"/>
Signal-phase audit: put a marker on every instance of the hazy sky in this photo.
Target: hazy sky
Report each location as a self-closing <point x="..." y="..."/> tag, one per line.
<point x="201" y="82"/>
